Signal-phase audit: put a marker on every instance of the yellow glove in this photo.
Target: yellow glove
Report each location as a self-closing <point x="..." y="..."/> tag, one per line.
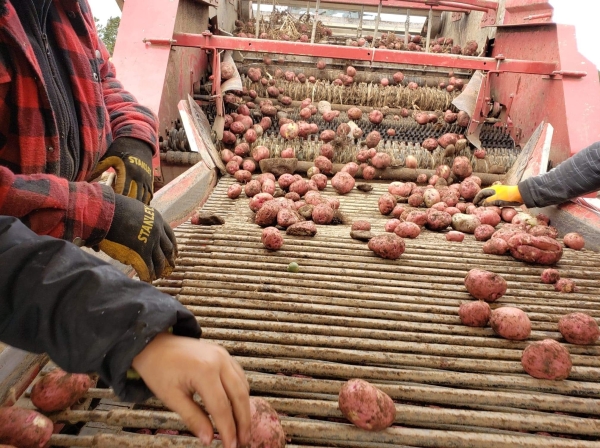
<point x="499" y="195"/>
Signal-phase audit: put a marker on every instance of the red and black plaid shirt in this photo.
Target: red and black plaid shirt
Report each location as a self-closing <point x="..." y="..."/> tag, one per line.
<point x="29" y="144"/>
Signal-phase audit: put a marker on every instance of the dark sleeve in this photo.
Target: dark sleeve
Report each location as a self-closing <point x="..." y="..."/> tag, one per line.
<point x="574" y="177"/>
<point x="84" y="313"/>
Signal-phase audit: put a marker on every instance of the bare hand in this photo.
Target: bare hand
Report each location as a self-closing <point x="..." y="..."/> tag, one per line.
<point x="174" y="368"/>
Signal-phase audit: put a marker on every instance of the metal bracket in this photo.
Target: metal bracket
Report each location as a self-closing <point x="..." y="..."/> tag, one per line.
<point x="152" y="41"/>
<point x="560" y="74"/>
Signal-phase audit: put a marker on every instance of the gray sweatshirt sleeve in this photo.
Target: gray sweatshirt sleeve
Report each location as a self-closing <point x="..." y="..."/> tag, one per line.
<point x="574" y="177"/>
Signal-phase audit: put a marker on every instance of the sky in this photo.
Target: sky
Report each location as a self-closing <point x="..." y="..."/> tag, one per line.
<point x="581" y="13"/>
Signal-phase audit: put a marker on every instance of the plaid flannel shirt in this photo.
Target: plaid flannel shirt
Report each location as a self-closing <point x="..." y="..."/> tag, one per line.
<point x="29" y="143"/>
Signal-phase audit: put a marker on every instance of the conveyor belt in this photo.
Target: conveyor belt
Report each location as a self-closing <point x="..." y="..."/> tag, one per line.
<point x="349" y="314"/>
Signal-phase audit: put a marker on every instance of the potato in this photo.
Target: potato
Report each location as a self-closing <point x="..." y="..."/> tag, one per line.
<point x="381" y="160"/>
<point x="354" y="113"/>
<point x="324" y="164"/>
<point x="234" y="191"/>
<point x="365" y="405"/>
<point x="469" y="189"/>
<point x="508" y="213"/>
<point x="334" y="203"/>
<point x="285" y="180"/>
<point x="461" y="167"/>
<point x="59" y="390"/>
<point x="386" y="203"/>
<point x="543" y="230"/>
<point x="303" y="228"/>
<point x="437" y="220"/>
<point x="422" y="178"/>
<point x="448" y="139"/>
<point x="510" y="323"/>
<point x="550" y="276"/>
<point x="265" y="427"/>
<point x="24" y="428"/>
<point x="430" y="144"/>
<point x="579" y="328"/>
<point x="252" y="188"/>
<point x="388" y="246"/>
<point x="419" y="217"/>
<point x="495" y="246"/>
<point x="547" y="360"/>
<point x="267" y="214"/>
<point x="322" y="214"/>
<point x="300" y="186"/>
<point x="450" y="198"/>
<point x="391" y="225"/>
<point x="373" y="139"/>
<point x="535" y="249"/>
<point x="361" y="225"/>
<point x="440" y="207"/>
<point x="400" y="188"/>
<point x="287" y="217"/>
<point x="474" y="314"/>
<point x="452" y="210"/>
<point x="407" y="230"/>
<point x="565" y="285"/>
<point x="272" y="238"/>
<point x="487" y="217"/>
<point x="574" y="241"/>
<point x="320" y="180"/>
<point x="350" y="168"/>
<point x="484" y="232"/>
<point x="415" y="200"/>
<point x="431" y="197"/>
<point x="485" y="285"/>
<point x="465" y="223"/>
<point x="306" y="211"/>
<point x="455" y="236"/>
<point x="292" y="196"/>
<point x="342" y="182"/>
<point x="268" y="186"/>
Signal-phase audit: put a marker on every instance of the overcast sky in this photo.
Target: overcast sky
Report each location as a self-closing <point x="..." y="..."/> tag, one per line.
<point x="581" y="13"/>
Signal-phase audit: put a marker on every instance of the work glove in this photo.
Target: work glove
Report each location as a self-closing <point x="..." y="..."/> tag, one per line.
<point x="139" y="237"/>
<point x="499" y="195"/>
<point x="132" y="160"/>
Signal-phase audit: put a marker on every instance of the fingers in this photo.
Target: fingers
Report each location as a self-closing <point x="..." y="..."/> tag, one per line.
<point x="217" y="404"/>
<point x="194" y="418"/>
<point x="168" y="244"/>
<point x="158" y="260"/>
<point x="237" y="389"/>
<point x="483" y="195"/>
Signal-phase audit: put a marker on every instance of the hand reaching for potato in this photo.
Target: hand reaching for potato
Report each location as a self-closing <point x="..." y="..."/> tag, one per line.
<point x="174" y="368"/>
<point x="499" y="195"/>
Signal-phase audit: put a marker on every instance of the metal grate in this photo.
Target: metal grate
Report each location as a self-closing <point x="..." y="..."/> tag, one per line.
<point x="350" y="314"/>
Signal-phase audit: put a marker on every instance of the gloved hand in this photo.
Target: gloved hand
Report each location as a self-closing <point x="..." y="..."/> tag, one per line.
<point x="139" y="237"/>
<point x="499" y="195"/>
<point x="132" y="160"/>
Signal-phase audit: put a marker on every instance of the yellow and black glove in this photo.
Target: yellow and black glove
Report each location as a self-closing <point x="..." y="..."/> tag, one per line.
<point x="139" y="237"/>
<point x="499" y="195"/>
<point x="132" y="160"/>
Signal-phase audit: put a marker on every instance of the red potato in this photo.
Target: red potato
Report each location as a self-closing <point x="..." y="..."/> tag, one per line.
<point x="389" y="246"/>
<point x="249" y="165"/>
<point x="322" y="214"/>
<point x="252" y="188"/>
<point x="381" y="160"/>
<point x="398" y="77"/>
<point x="373" y="139"/>
<point x="484" y="232"/>
<point x="440" y="207"/>
<point x="323" y="164"/>
<point x="469" y="189"/>
<point x="462" y="119"/>
<point x="242" y="150"/>
<point x="232" y="167"/>
<point x="288" y="153"/>
<point x="303" y="228"/>
<point x="510" y="323"/>
<point x="437" y="220"/>
<point x="266" y="430"/>
<point x="350" y="168"/>
<point x="262" y="177"/>
<point x="300" y="186"/>
<point x="24" y="428"/>
<point x="547" y="360"/>
<point x="365" y="405"/>
<point x="455" y="236"/>
<point x="430" y="144"/>
<point x="368" y="173"/>
<point x="474" y="314"/>
<point x="227" y="70"/>
<point x="448" y="139"/>
<point x="391" y="225"/>
<point x="293" y="196"/>
<point x="451" y="210"/>
<point x="398" y="210"/>
<point x="411" y="162"/>
<point x="386" y="203"/>
<point x="419" y="217"/>
<point x="285" y="180"/>
<point x="226" y="155"/>
<point x="327" y="135"/>
<point x="342" y="182"/>
<point x="234" y="191"/>
<point x="320" y="180"/>
<point x="485" y="285"/>
<point x="574" y="241"/>
<point x="565" y="285"/>
<point x="326" y="150"/>
<point x="289" y="131"/>
<point x="361" y="225"/>
<point x="550" y="276"/>
<point x="465" y="223"/>
<point x="354" y="113"/>
<point x="431" y="197"/>
<point x="488" y="217"/>
<point x="461" y="167"/>
<point x="543" y="230"/>
<point x="400" y="188"/>
<point x="287" y="217"/>
<point x="375" y="116"/>
<point x="450" y="198"/>
<point x="243" y="176"/>
<point x="422" y="178"/>
<point x="407" y="229"/>
<point x="532" y="249"/>
<point x="495" y="246"/>
<point x="260" y="153"/>
<point x="415" y="200"/>
<point x="272" y="238"/>
<point x="579" y="328"/>
<point x="267" y="214"/>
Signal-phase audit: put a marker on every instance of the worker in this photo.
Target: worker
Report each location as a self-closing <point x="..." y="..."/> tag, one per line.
<point x="88" y="317"/>
<point x="64" y="119"/>
<point x="576" y="176"/>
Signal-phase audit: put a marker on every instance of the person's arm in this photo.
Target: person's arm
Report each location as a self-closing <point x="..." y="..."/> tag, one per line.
<point x="89" y="317"/>
<point x="574" y="177"/>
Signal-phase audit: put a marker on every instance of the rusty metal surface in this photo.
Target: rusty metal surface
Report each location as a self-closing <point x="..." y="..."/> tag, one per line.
<point x="349" y="314"/>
